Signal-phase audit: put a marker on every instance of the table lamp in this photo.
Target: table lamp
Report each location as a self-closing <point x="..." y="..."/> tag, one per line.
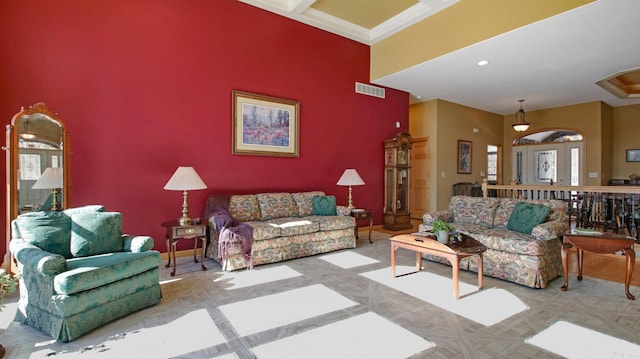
<point x="185" y="179"/>
<point x="350" y="177"/>
<point x="51" y="179"/>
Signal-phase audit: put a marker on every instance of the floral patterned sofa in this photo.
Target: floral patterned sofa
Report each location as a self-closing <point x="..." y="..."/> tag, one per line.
<point x="284" y="227"/>
<point x="528" y="259"/>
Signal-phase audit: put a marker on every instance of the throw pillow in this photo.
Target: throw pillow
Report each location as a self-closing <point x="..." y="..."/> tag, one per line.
<point x="525" y="216"/>
<point x="50" y="231"/>
<point x="324" y="206"/>
<point x="95" y="233"/>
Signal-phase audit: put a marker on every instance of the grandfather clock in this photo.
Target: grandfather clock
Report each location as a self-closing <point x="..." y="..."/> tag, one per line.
<point x="396" y="182"/>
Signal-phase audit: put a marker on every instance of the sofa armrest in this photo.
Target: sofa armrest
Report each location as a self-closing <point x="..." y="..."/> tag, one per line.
<point x="36" y="259"/>
<point x="343" y="211"/>
<point x="137" y="244"/>
<point x="549" y="230"/>
<point x="444" y="215"/>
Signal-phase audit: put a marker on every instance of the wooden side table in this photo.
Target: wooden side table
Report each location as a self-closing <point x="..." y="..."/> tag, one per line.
<point x="175" y="231"/>
<point x="603" y="244"/>
<point x="364" y="214"/>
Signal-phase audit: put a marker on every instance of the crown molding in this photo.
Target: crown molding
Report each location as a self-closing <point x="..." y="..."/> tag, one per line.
<point x="301" y="10"/>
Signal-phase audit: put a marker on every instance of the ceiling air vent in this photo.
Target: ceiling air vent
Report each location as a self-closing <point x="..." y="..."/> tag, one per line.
<point x="369" y="90"/>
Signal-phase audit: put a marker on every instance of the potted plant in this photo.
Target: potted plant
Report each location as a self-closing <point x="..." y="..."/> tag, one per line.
<point x="443" y="230"/>
<point x="8" y="285"/>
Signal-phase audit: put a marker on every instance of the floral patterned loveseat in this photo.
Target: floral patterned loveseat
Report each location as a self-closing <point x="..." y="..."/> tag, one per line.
<point x="528" y="259"/>
<point x="284" y="227"/>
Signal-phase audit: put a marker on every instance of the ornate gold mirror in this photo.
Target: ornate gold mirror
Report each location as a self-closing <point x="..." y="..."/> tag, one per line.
<point x="37" y="163"/>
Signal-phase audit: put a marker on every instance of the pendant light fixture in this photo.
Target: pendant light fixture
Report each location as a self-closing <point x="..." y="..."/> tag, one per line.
<point x="520" y="125"/>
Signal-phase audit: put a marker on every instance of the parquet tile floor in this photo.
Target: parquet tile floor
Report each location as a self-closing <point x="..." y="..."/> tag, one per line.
<point x="593" y="303"/>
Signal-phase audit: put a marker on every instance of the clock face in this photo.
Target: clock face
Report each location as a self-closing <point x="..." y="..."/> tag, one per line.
<point x="402" y="157"/>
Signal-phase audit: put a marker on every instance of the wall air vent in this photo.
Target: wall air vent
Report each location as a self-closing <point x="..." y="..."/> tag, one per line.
<point x="369" y="90"/>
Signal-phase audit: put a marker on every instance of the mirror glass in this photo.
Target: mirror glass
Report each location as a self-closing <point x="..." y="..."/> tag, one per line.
<point x="40" y="145"/>
<point x="38" y="178"/>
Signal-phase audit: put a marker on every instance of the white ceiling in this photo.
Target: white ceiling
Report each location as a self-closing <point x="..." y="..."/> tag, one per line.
<point x="550" y="63"/>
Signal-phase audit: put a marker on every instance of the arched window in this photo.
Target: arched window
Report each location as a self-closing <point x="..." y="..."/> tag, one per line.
<point x="548" y="136"/>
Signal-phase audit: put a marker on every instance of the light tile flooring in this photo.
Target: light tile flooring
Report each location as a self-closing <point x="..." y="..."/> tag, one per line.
<point x="593" y="303"/>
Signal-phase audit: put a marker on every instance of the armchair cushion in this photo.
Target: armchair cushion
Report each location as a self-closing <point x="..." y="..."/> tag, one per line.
<point x="92" y="272"/>
<point x="96" y="233"/>
<point x="50" y="231"/>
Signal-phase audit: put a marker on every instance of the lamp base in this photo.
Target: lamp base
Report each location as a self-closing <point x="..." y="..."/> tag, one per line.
<point x="185" y="221"/>
<point x="350" y="206"/>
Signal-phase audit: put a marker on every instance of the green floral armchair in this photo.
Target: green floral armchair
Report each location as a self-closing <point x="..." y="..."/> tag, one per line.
<point x="79" y="272"/>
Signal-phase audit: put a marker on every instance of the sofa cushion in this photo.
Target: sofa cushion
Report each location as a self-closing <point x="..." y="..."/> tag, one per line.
<point x="332" y="223"/>
<point x="304" y="201"/>
<point x="244" y="207"/>
<point x="95" y="271"/>
<point x="276" y="205"/>
<point x="50" y="231"/>
<point x="292" y="226"/>
<point x="324" y="206"/>
<point x="473" y="210"/>
<point x="558" y="210"/>
<point x="264" y="230"/>
<point x="96" y="233"/>
<point x="512" y="242"/>
<point x="525" y="216"/>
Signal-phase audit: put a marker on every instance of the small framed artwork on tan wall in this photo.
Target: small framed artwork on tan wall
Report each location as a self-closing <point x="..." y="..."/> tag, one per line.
<point x="464" y="157"/>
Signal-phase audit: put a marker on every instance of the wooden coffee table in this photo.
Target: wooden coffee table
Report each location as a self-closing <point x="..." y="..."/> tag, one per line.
<point x="424" y="242"/>
<point x="598" y="243"/>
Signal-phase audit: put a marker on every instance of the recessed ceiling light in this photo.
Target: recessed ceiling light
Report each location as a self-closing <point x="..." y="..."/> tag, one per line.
<point x="482" y="62"/>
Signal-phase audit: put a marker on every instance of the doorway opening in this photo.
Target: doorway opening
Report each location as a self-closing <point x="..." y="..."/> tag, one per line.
<point x="548" y="157"/>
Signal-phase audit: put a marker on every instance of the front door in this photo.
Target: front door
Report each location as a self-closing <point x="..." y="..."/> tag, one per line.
<point x="557" y="163"/>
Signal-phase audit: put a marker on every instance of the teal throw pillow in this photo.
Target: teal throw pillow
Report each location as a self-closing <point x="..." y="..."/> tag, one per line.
<point x="49" y="231"/>
<point x="323" y="206"/>
<point x="96" y="233"/>
<point x="525" y="216"/>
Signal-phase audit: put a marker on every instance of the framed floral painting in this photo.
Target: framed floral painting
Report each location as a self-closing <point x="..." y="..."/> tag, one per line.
<point x="265" y="125"/>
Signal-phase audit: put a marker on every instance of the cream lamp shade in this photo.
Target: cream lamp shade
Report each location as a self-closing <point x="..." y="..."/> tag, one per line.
<point x="350" y="177"/>
<point x="185" y="179"/>
<point x="52" y="179"/>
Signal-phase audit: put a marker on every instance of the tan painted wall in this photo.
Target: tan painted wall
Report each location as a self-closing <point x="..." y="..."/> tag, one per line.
<point x="626" y="135"/>
<point x="583" y="118"/>
<point x="445" y="123"/>
<point x="462" y="24"/>
<point x="608" y="133"/>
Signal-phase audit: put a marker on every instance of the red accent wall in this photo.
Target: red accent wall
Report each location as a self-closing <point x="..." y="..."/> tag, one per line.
<point x="144" y="86"/>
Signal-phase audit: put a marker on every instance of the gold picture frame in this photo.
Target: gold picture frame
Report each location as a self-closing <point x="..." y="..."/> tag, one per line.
<point x="464" y="157"/>
<point x="265" y="125"/>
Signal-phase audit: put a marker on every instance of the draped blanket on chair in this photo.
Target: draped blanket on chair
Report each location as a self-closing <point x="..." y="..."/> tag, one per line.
<point x="228" y="229"/>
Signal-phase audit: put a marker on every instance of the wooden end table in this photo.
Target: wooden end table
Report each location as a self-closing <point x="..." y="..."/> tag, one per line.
<point x="602" y="244"/>
<point x="363" y="214"/>
<point x="424" y="242"/>
<point x="175" y="231"/>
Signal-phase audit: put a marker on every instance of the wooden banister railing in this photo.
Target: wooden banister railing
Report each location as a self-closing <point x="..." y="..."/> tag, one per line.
<point x="607" y="208"/>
